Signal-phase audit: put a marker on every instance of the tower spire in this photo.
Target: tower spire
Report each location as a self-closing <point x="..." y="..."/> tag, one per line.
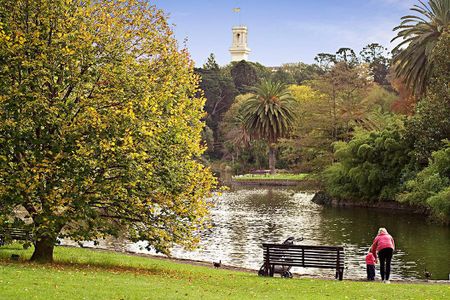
<point x="239" y="49"/>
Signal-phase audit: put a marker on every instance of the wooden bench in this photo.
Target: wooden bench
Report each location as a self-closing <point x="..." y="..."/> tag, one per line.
<point x="13" y="233"/>
<point x="282" y="255"/>
<point x="260" y="172"/>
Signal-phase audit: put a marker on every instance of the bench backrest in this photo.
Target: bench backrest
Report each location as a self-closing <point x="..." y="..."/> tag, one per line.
<point x="330" y="257"/>
<point x="16" y="233"/>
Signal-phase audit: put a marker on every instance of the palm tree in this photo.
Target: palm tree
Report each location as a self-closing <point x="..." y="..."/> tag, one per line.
<point x="420" y="34"/>
<point x="269" y="114"/>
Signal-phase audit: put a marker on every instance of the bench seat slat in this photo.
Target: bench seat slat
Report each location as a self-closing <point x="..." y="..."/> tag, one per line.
<point x="324" y="266"/>
<point x="325" y="257"/>
<point x="290" y="259"/>
<point x="290" y="262"/>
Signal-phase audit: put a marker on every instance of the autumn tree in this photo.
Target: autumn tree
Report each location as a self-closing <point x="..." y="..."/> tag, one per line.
<point x="345" y="89"/>
<point x="99" y="125"/>
<point x="309" y="148"/>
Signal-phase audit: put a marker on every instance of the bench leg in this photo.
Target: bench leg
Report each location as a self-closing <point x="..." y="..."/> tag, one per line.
<point x="341" y="274"/>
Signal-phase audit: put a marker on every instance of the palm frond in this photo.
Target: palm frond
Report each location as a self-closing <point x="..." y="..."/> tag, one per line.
<point x="419" y="34"/>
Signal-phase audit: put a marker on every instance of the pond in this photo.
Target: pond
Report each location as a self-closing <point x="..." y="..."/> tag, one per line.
<point x="244" y="218"/>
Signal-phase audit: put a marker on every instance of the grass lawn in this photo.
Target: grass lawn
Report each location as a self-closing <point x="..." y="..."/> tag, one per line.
<point x="88" y="274"/>
<point x="301" y="176"/>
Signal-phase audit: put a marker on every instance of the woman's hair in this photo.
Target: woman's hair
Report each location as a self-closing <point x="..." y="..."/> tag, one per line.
<point x="382" y="229"/>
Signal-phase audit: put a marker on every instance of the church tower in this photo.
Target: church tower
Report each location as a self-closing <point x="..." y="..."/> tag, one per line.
<point x="239" y="49"/>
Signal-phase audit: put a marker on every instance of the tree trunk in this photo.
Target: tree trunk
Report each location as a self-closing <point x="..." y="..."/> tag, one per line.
<point x="43" y="250"/>
<point x="272" y="158"/>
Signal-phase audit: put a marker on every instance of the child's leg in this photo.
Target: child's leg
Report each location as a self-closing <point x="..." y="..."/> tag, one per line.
<point x="368" y="271"/>
<point x="371" y="269"/>
<point x="372" y="272"/>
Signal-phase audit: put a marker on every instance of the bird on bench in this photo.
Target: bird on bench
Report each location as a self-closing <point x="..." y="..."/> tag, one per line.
<point x="217" y="264"/>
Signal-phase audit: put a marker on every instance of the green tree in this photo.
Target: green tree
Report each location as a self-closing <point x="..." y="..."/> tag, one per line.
<point x="302" y="72"/>
<point x="262" y="72"/>
<point x="211" y="63"/>
<point x="430" y="125"/>
<point x="269" y="115"/>
<point x="375" y="55"/>
<point x="347" y="55"/>
<point x="369" y="167"/>
<point x="99" y="125"/>
<point x="431" y="187"/>
<point x="420" y="33"/>
<point x="236" y="134"/>
<point x="282" y="76"/>
<point x="244" y="75"/>
<point x="219" y="90"/>
<point x="325" y="60"/>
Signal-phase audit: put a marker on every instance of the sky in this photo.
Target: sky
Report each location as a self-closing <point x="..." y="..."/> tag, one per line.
<point x="283" y="31"/>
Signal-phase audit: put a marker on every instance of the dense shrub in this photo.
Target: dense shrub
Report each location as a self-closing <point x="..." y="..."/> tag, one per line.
<point x="431" y="187"/>
<point x="369" y="167"/>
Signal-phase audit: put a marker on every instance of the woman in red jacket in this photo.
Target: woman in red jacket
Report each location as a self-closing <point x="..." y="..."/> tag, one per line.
<point x="384" y="246"/>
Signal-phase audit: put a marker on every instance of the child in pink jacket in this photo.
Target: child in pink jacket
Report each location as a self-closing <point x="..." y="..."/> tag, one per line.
<point x="370" y="265"/>
<point x="383" y="245"/>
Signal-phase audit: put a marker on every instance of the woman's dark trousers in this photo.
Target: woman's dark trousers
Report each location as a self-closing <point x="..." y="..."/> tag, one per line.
<point x="385" y="256"/>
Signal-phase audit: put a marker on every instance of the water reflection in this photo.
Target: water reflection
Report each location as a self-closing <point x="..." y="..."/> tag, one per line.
<point x="246" y="217"/>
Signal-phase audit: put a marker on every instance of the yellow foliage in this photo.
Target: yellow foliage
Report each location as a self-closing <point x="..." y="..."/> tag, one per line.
<point x="101" y="125"/>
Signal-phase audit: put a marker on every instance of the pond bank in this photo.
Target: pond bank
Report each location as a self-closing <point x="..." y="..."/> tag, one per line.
<point x="322" y="198"/>
<point x="308" y="184"/>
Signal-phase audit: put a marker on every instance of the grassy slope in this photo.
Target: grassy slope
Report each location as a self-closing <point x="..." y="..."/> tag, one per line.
<point x="87" y="274"/>
<point x="271" y="177"/>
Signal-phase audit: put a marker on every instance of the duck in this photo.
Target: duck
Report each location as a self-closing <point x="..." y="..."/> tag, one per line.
<point x="427" y="274"/>
<point x="217" y="264"/>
